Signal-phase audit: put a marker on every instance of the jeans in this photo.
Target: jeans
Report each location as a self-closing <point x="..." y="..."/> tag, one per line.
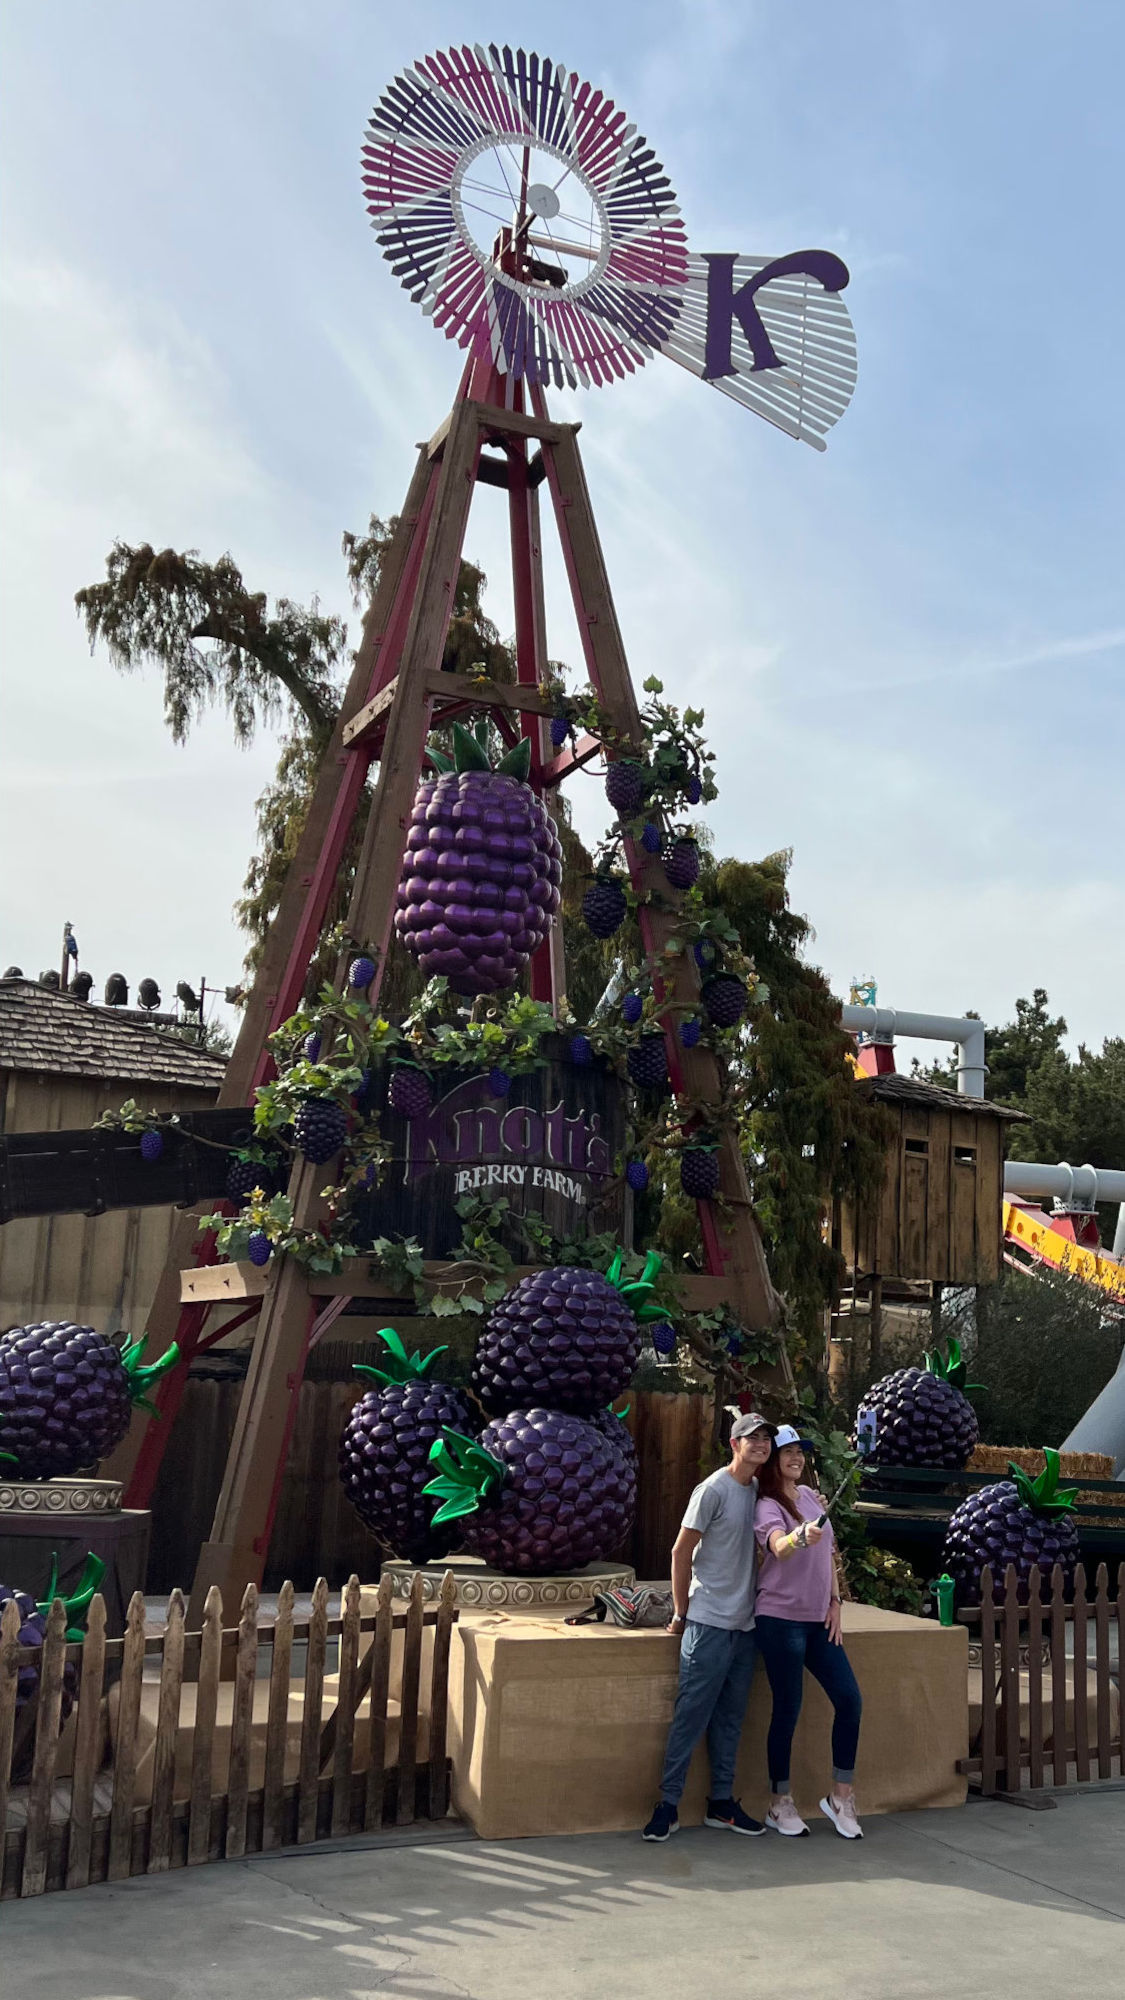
<point x="716" y="1669"/>
<point x="788" y="1646"/>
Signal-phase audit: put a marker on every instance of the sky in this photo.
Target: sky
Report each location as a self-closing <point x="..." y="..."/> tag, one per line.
<point x="909" y="648"/>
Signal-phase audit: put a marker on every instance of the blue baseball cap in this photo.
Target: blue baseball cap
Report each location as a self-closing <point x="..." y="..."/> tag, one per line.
<point x="785" y="1434"/>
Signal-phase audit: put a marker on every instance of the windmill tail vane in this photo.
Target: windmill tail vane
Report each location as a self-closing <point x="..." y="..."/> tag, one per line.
<point x="536" y="228"/>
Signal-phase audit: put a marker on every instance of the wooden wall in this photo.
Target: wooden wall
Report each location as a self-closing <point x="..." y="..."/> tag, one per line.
<point x="317" y="1531"/>
<point x="939" y="1214"/>
<point x="101" y="1270"/>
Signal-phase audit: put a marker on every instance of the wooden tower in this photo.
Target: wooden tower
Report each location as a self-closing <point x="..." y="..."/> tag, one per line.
<point x="396" y="693"/>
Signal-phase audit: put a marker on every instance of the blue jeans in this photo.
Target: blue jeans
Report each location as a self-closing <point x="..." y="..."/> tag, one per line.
<point x="716" y="1669"/>
<point x="788" y="1646"/>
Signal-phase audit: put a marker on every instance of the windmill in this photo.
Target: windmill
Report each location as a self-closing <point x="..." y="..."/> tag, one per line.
<point x="533" y="224"/>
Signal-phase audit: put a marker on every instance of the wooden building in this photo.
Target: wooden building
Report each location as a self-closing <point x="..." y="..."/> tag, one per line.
<point x="62" y="1063"/>
<point x="939" y="1215"/>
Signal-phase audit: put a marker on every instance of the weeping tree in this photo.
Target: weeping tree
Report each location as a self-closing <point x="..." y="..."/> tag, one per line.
<point x="218" y="647"/>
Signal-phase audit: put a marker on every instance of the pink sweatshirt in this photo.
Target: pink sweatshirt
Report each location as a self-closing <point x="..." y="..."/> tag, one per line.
<point x="801" y="1586"/>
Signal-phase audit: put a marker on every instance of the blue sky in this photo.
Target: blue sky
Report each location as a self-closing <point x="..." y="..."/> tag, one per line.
<point x="909" y="648"/>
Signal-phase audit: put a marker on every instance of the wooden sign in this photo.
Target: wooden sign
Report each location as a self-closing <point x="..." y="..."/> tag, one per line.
<point x="549" y="1147"/>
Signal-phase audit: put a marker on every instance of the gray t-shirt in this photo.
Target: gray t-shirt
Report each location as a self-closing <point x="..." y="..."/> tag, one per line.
<point x="724" y="1565"/>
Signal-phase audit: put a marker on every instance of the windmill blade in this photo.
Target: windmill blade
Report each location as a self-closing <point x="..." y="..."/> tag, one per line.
<point x="811" y="332"/>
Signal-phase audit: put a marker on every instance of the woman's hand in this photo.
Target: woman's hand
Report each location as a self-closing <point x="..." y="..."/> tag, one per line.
<point x="809" y="1534"/>
<point x="832" y="1623"/>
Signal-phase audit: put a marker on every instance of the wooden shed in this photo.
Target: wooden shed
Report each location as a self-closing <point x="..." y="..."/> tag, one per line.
<point x="939" y="1215"/>
<point x="62" y="1063"/>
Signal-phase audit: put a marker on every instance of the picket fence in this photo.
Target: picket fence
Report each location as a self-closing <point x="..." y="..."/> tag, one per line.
<point x="1050" y="1681"/>
<point x="88" y="1826"/>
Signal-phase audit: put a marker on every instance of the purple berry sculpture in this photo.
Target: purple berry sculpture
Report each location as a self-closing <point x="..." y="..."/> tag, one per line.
<point x="409" y="1092"/>
<point x="604" y="907"/>
<point x="693" y="790"/>
<point x="244" y="1175"/>
<point x="681" y="863"/>
<point x="385" y="1448"/>
<point x="923" y="1416"/>
<point x="152" y="1146"/>
<point x="625" y="787"/>
<point x="258" y="1247"/>
<point x="632" y="1007"/>
<point x="361" y="972"/>
<point x="699" y="1172"/>
<point x="580" y="1050"/>
<point x="32" y="1633"/>
<point x="319" y="1129"/>
<point x="1020" y="1520"/>
<point x="67" y="1395"/>
<point x="560" y="730"/>
<point x="312" y="1048"/>
<point x="705" y="954"/>
<point x="499" y="1082"/>
<point x="481" y="873"/>
<point x="636" y="1173"/>
<point x="690" y="1032"/>
<point x="539" y="1490"/>
<point x="652" y="840"/>
<point x="663" y="1337"/>
<point x="565" y="1337"/>
<point x="724" y="998"/>
<point x="611" y="1424"/>
<point x="647" y="1063"/>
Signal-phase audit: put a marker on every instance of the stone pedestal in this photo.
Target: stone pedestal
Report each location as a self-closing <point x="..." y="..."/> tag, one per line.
<point x="479" y="1588"/>
<point x="40" y="1519"/>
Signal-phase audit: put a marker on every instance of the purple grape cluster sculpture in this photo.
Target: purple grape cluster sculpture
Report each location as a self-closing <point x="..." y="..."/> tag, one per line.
<point x="699" y="1172"/>
<point x="539" y="1490"/>
<point x="923" y="1416"/>
<point x="409" y="1091"/>
<point x="319" y="1129"/>
<point x="385" y="1447"/>
<point x="67" y="1395"/>
<point x="565" y="1337"/>
<point x="1020" y="1520"/>
<point x="31" y="1634"/>
<point x="482" y="869"/>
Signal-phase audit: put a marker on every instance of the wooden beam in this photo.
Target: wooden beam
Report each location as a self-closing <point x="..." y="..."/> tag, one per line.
<point x="465" y="689"/>
<point x="519" y="423"/>
<point x="492" y="471"/>
<point x="560" y="767"/>
<point x="360" y="1279"/>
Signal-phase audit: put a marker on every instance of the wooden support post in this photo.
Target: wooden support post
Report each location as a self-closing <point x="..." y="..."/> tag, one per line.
<point x="733" y="1245"/>
<point x="236" y="1552"/>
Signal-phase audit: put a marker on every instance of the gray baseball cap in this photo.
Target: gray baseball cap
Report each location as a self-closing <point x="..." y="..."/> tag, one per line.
<point x="744" y="1427"/>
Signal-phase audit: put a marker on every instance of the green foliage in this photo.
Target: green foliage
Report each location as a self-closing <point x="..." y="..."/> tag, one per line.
<point x="1045" y="1346"/>
<point x="810" y="1136"/>
<point x="156" y="608"/>
<point x="885" y="1580"/>
<point x="322" y="1250"/>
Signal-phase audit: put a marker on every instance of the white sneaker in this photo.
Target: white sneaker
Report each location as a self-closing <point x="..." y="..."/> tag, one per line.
<point x="784" y="1818"/>
<point x="843" y="1817"/>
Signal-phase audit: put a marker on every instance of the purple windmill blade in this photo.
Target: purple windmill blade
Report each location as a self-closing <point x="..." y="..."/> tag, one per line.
<point x="525" y="215"/>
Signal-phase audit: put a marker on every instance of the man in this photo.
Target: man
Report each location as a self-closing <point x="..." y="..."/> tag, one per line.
<point x="713" y="1578"/>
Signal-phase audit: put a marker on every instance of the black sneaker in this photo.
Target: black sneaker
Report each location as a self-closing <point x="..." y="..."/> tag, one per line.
<point x="665" y="1820"/>
<point x="729" y="1814"/>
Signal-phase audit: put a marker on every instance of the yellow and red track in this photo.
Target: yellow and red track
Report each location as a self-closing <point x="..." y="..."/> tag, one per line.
<point x="1030" y="1231"/>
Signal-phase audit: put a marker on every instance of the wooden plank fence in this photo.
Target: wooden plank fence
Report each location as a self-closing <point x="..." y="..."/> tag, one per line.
<point x="189" y="1747"/>
<point x="1051" y="1698"/>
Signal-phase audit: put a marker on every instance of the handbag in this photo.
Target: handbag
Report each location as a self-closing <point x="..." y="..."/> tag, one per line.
<point x="645" y="1605"/>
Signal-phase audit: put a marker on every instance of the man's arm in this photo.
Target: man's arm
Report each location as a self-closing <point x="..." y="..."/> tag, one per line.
<point x="683" y="1548"/>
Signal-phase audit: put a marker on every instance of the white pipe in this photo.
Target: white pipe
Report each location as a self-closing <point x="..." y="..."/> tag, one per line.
<point x="1075" y="1187"/>
<point x="885" y="1024"/>
<point x="1119" y="1235"/>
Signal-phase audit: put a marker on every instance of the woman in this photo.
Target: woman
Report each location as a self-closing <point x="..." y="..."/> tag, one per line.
<point x="798" y="1626"/>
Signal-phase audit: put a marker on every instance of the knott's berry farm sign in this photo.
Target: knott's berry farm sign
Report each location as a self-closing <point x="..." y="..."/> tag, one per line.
<point x="548" y="1148"/>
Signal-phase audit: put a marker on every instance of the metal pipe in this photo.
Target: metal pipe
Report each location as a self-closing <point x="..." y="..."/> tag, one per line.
<point x="885" y="1024"/>
<point x="1119" y="1235"/>
<point x="1075" y="1187"/>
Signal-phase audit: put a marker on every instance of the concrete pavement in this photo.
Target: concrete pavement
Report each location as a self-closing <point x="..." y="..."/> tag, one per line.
<point x="992" y="1900"/>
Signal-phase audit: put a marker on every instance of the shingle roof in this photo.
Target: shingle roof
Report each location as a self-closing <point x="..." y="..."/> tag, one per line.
<point x="46" y="1031"/>
<point x="895" y="1089"/>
